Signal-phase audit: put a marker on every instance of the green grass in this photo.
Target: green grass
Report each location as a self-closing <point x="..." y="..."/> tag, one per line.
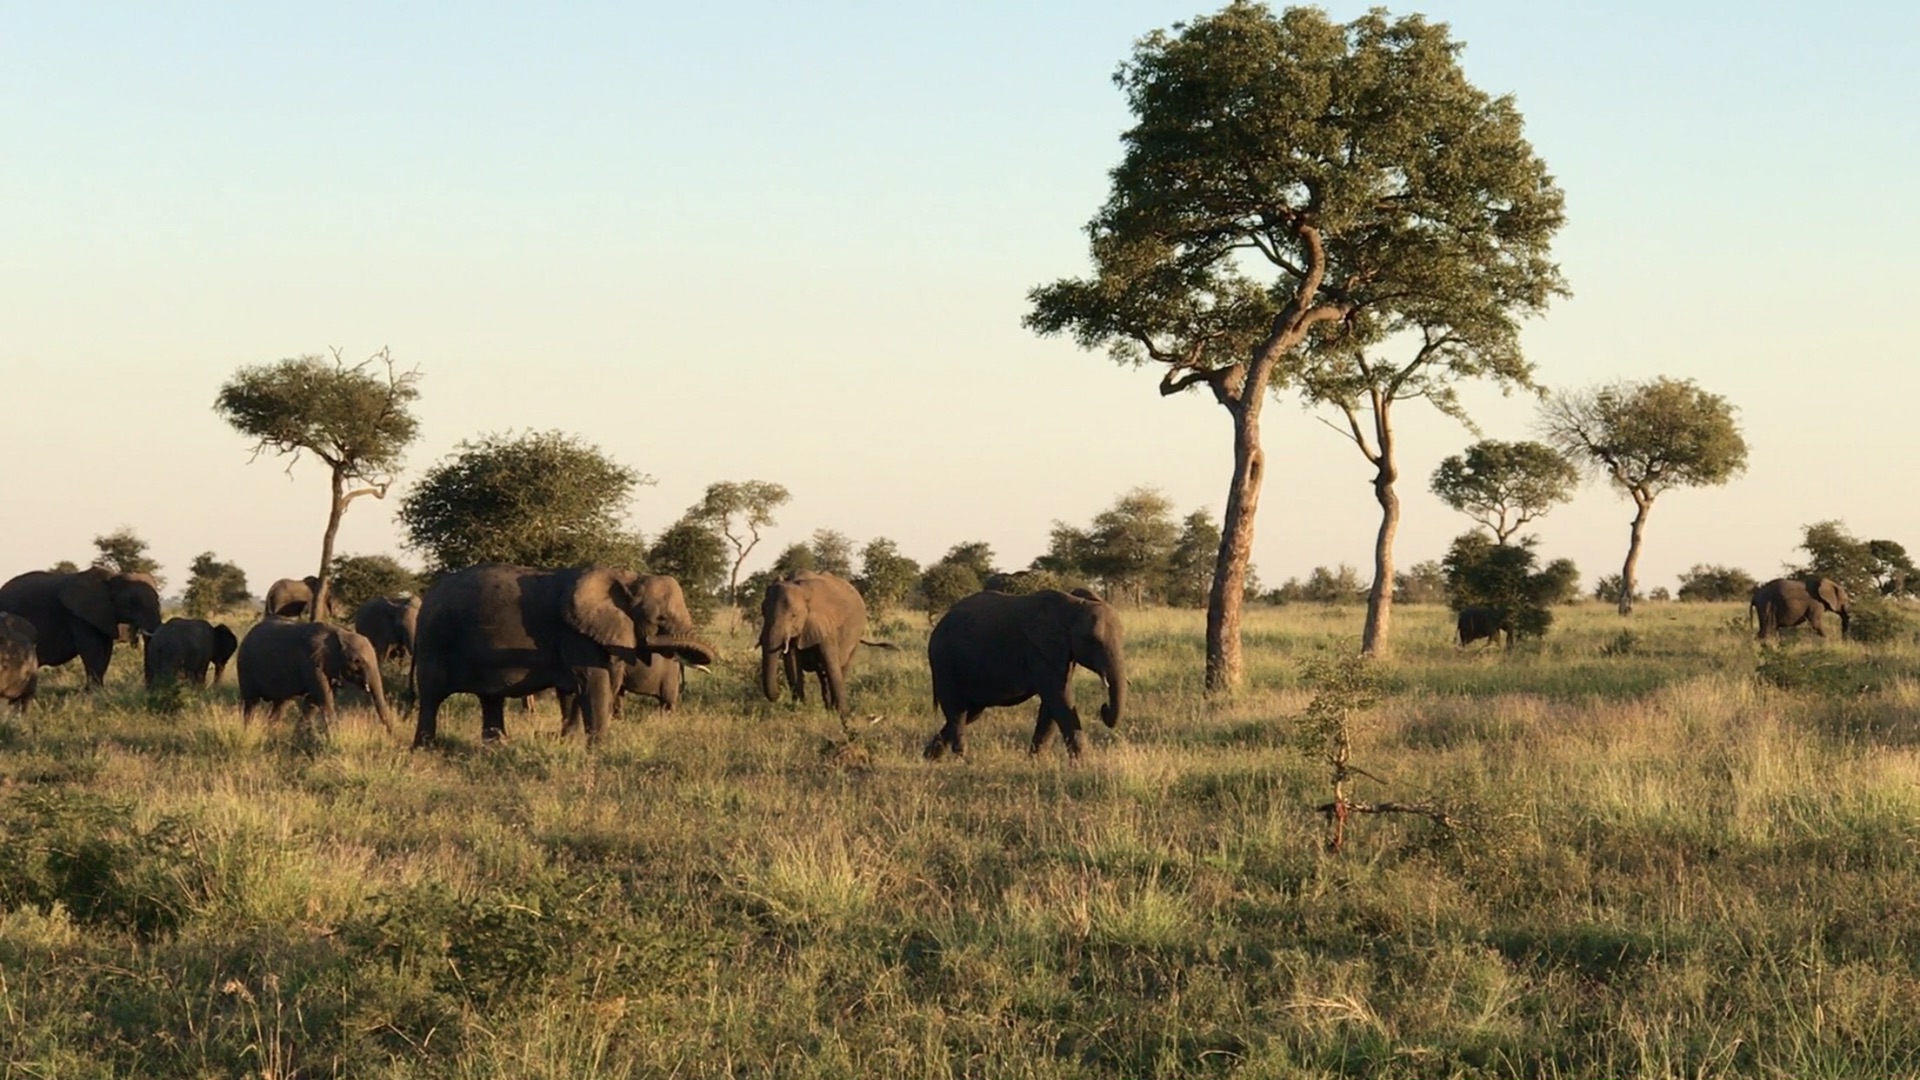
<point x="1676" y="854"/>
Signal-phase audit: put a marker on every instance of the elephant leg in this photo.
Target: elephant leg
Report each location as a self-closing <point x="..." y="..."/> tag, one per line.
<point x="833" y="688"/>
<point x="1056" y="706"/>
<point x="274" y="710"/>
<point x="426" y="724"/>
<point x="1814" y="620"/>
<point x="796" y="679"/>
<point x="1070" y="731"/>
<point x="1042" y="730"/>
<point x="596" y="702"/>
<point x="948" y="737"/>
<point x="569" y="712"/>
<point x="96" y="653"/>
<point x="493" y="718"/>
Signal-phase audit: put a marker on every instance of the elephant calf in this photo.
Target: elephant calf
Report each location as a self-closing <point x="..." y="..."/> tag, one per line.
<point x="661" y="678"/>
<point x="389" y="622"/>
<point x="282" y="659"/>
<point x="19" y="661"/>
<point x="1476" y="623"/>
<point x="185" y="649"/>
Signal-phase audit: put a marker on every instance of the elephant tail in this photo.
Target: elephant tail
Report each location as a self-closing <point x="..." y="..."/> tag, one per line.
<point x="878" y="644"/>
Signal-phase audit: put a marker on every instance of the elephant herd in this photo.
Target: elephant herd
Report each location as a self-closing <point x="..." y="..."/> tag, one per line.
<point x="589" y="634"/>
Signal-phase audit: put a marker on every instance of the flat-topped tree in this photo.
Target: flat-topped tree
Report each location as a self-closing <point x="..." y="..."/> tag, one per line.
<point x="1505" y="485"/>
<point x="1646" y="438"/>
<point x="1287" y="173"/>
<point x="354" y="418"/>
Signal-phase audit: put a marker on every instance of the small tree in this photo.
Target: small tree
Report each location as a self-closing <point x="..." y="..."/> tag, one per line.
<point x="1865" y="567"/>
<point x="1190" y="564"/>
<point x="1505" y="485"/>
<point x="739" y="510"/>
<point x="214" y="586"/>
<point x="696" y="556"/>
<point x="832" y="553"/>
<point x="886" y="577"/>
<point x="1481" y="573"/>
<point x="1426" y="583"/>
<point x="1607" y="589"/>
<point x="543" y="499"/>
<point x="976" y="556"/>
<point x="360" y="578"/>
<point x="64" y="566"/>
<point x="1706" y="583"/>
<point x="125" y="553"/>
<point x="1646" y="438"/>
<point x="946" y="582"/>
<point x="355" y="419"/>
<point x="1131" y="543"/>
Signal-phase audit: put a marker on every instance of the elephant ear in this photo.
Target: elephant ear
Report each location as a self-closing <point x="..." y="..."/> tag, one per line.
<point x="1832" y="594"/>
<point x="1047" y="630"/>
<point x="86" y="596"/>
<point x="224" y="643"/>
<point x="597" y="607"/>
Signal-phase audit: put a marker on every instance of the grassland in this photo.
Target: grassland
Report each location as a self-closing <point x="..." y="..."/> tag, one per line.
<point x="1674" y="855"/>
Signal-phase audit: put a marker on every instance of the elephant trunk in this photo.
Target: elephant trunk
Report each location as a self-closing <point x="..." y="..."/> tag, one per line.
<point x="1115" y="676"/>
<point x="380" y="707"/>
<point x="770" y="657"/>
<point x="1846" y="623"/>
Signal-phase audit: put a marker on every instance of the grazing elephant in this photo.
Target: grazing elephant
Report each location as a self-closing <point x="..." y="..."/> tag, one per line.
<point x="1785" y="602"/>
<point x="290" y="598"/>
<point x="282" y="659"/>
<point x="185" y="648"/>
<point x="81" y="613"/>
<point x="19" y="667"/>
<point x="1476" y="623"/>
<point x="389" y="622"/>
<point x="993" y="649"/>
<point x="811" y="622"/>
<point x="661" y="677"/>
<point x="499" y="631"/>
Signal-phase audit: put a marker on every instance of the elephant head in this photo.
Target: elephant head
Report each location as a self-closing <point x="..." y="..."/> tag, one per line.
<point x="351" y="659"/>
<point x="1087" y="632"/>
<point x="1834" y="595"/>
<point x="106" y="601"/>
<point x="628" y="613"/>
<point x="224" y="644"/>
<point x="783" y="624"/>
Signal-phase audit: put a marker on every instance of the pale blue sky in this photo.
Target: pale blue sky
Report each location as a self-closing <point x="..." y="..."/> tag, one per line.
<point x="793" y="243"/>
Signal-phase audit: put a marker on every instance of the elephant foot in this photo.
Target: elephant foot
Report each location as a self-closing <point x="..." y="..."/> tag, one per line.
<point x="935" y="749"/>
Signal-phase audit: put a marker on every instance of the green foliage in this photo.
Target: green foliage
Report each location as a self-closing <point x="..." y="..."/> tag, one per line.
<point x="1343" y="685"/>
<point x="694" y="553"/>
<point x="65" y="566"/>
<point x="1606" y="588"/>
<point x="1190" y="564"/>
<point x="1647" y="438"/>
<point x="1131" y="542"/>
<point x="355" y="419"/>
<point x="739" y="510"/>
<point x="832" y="553"/>
<point x="89" y="855"/>
<point x="1505" y="485"/>
<point x="123" y="552"/>
<point x="886" y="576"/>
<point x="1481" y="573"/>
<point x="1706" y="584"/>
<point x="945" y="582"/>
<point x="974" y="555"/>
<point x="1864" y="567"/>
<point x="543" y="499"/>
<point x="1876" y="620"/>
<point x="360" y="578"/>
<point x="1425" y="583"/>
<point x="214" y="586"/>
<point x="794" y="559"/>
<point x="1341" y="585"/>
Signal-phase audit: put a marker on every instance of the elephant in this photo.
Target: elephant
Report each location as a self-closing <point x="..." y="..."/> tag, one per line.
<point x="1476" y="623"/>
<point x="282" y="659"/>
<point x="81" y="613"/>
<point x="19" y="666"/>
<point x="185" y="648"/>
<point x="811" y="622"/>
<point x="661" y="677"/>
<point x="290" y="598"/>
<point x="498" y="631"/>
<point x="389" y="622"/>
<point x="993" y="649"/>
<point x="1785" y="602"/>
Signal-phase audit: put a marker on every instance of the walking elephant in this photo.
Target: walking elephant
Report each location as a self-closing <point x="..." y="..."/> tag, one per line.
<point x="282" y="659"/>
<point x="81" y="613"/>
<point x="811" y="622"/>
<point x="290" y="598"/>
<point x="1785" y="602"/>
<point x="185" y="649"/>
<point x="390" y="623"/>
<point x="1476" y="623"/>
<point x="992" y="649"/>
<point x="498" y="631"/>
<point x="19" y="666"/>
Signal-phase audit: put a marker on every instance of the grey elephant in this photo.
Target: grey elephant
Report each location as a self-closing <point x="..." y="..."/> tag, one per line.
<point x="390" y="622"/>
<point x="991" y="649"/>
<point x="185" y="649"/>
<point x="661" y="677"/>
<point x="290" y="598"/>
<point x="81" y="613"/>
<point x="19" y="666"/>
<point x="282" y="659"/>
<point x="498" y="631"/>
<point x="1476" y="623"/>
<point x="811" y="622"/>
<point x="1785" y="602"/>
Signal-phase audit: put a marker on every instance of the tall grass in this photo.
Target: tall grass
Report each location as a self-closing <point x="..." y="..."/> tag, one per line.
<point x="1672" y="853"/>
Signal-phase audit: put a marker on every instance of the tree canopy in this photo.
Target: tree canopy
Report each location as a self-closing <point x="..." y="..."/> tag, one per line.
<point x="360" y="578"/>
<point x="356" y="419"/>
<point x="1707" y="583"/>
<point x="544" y="499"/>
<point x="1288" y="176"/>
<point x="123" y="552"/>
<point x="1865" y="567"/>
<point x="695" y="554"/>
<point x="1646" y="438"/>
<point x="886" y="576"/>
<point x="1505" y="485"/>
<point x="214" y="586"/>
<point x="739" y="510"/>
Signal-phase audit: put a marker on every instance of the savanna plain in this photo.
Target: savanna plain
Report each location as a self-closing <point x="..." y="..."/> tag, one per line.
<point x="1668" y="851"/>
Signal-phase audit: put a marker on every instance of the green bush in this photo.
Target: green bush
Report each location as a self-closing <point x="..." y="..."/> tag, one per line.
<point x="1878" y="621"/>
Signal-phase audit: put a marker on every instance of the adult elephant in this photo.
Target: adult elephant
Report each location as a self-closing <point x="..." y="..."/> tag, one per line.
<point x="19" y="667"/>
<point x="1785" y="602"/>
<point x="992" y="649"/>
<point x="390" y="623"/>
<point x="81" y="613"/>
<point x="1476" y="623"/>
<point x="185" y="649"/>
<point x="290" y="598"/>
<point x="811" y="622"/>
<point x="498" y="631"/>
<point x="282" y="659"/>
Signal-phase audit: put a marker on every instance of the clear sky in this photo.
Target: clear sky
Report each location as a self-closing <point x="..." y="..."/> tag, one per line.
<point x="793" y="242"/>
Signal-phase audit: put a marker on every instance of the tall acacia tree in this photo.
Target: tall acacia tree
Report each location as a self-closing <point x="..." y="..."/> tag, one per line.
<point x="1288" y="176"/>
<point x="354" y="418"/>
<point x="1505" y="485"/>
<point x="739" y="509"/>
<point x="1646" y="438"/>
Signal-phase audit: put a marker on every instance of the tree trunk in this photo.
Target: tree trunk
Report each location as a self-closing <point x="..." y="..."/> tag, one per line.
<point x="1228" y="595"/>
<point x="1641" y="508"/>
<point x="1373" y="640"/>
<point x="336" y="510"/>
